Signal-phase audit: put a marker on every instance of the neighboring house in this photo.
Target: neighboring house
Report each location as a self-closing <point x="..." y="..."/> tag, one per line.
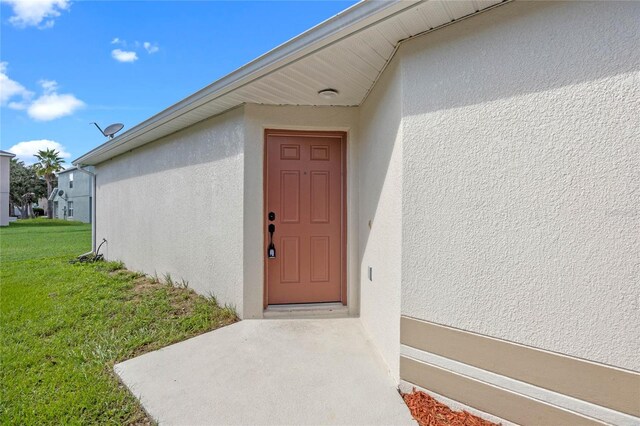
<point x="42" y="203"/>
<point x="72" y="199"/>
<point x="5" y="161"/>
<point x="469" y="189"/>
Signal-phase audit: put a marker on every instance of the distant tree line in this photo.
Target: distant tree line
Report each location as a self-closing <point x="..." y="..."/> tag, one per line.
<point x="30" y="183"/>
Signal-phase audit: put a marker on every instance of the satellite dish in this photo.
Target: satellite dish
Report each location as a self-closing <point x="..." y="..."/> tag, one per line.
<point x="60" y="192"/>
<point x="54" y="193"/>
<point x="111" y="130"/>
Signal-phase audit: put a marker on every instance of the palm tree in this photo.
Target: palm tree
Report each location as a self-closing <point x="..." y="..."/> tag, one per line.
<point x="49" y="162"/>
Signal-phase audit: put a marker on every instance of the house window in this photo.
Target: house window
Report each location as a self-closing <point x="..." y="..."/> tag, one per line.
<point x="70" y="207"/>
<point x="70" y="180"/>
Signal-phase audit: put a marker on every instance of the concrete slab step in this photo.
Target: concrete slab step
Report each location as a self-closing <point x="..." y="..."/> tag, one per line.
<point x="269" y="372"/>
<point x="307" y="310"/>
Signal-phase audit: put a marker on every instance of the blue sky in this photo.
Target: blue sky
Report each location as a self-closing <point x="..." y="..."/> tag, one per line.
<point x="66" y="64"/>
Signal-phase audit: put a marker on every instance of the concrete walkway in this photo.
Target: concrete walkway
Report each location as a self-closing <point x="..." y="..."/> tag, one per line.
<point x="269" y="372"/>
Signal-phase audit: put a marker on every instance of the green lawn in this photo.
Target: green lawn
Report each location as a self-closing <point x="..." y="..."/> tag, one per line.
<point x="63" y="326"/>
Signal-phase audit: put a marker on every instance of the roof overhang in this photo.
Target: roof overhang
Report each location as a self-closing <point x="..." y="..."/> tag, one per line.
<point x="347" y="52"/>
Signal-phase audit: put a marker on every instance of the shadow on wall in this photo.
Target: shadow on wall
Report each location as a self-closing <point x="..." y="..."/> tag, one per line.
<point x="380" y="214"/>
<point x="520" y="48"/>
<point x="380" y="121"/>
<point x="209" y="141"/>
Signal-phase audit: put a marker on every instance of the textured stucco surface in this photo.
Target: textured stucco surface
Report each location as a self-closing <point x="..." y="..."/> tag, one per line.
<point x="521" y="190"/>
<point x="497" y="160"/>
<point x="202" y="187"/>
<point x="4" y="190"/>
<point x="257" y="119"/>
<point x="380" y="214"/>
<point x="175" y="206"/>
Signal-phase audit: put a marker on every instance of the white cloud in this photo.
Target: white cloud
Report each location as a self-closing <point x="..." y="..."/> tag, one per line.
<point x="36" y="13"/>
<point x="150" y="48"/>
<point x="22" y="105"/>
<point x="49" y="86"/>
<point x="124" y="55"/>
<point x="128" y="51"/>
<point x="10" y="89"/>
<point x="25" y="150"/>
<point x="52" y="106"/>
<point x="49" y="106"/>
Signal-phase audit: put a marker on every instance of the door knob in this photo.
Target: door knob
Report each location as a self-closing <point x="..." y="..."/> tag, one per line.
<point x="271" y="250"/>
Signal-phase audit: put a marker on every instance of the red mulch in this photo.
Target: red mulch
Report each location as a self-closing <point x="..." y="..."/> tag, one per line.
<point x="429" y="412"/>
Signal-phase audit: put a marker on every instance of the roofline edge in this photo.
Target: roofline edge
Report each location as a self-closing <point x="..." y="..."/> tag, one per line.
<point x="340" y="25"/>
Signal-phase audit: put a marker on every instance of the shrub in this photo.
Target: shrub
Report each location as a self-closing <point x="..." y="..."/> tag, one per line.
<point x="38" y="211"/>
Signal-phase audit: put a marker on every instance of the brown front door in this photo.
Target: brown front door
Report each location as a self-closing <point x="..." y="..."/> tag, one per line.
<point x="305" y="204"/>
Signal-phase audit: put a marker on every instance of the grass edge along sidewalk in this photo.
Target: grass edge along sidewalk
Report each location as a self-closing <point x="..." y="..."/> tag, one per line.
<point x="64" y="326"/>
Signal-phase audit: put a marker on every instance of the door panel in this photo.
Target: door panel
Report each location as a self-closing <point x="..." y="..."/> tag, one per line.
<point x="290" y="196"/>
<point x="305" y="189"/>
<point x="320" y="196"/>
<point x="290" y="262"/>
<point x="320" y="256"/>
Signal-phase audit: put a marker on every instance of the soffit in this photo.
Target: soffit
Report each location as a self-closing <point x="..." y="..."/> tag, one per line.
<point x="350" y="60"/>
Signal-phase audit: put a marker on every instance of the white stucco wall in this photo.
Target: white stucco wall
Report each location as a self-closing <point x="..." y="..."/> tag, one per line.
<point x="203" y="188"/>
<point x="380" y="214"/>
<point x="176" y="206"/>
<point x="257" y="119"/>
<point x="497" y="160"/>
<point x="521" y="177"/>
<point x="4" y="189"/>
